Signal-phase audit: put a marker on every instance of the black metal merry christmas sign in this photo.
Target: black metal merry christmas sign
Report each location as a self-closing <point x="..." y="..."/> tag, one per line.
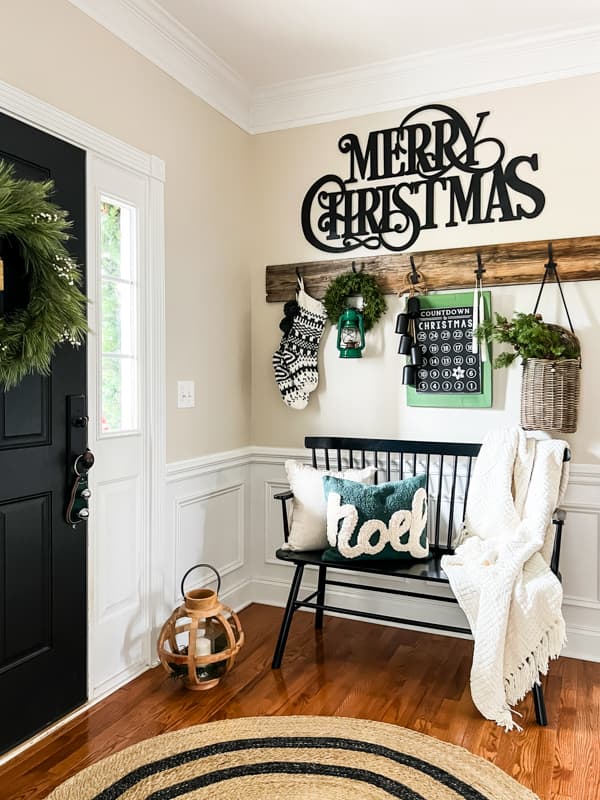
<point x="433" y="170"/>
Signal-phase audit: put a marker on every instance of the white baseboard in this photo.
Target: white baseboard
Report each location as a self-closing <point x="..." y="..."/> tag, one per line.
<point x="583" y="642"/>
<point x="116" y="681"/>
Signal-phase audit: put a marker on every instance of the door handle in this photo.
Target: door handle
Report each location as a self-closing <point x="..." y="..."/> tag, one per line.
<point x="77" y="506"/>
<point x="79" y="461"/>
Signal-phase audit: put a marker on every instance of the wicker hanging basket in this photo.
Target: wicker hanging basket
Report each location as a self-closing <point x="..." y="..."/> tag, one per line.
<point x="550" y="394"/>
<point x="550" y="388"/>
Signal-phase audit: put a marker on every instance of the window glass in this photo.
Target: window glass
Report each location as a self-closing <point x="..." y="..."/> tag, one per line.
<point x="118" y="297"/>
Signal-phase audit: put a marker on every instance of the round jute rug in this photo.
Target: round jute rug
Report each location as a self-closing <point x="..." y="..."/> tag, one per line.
<point x="293" y="758"/>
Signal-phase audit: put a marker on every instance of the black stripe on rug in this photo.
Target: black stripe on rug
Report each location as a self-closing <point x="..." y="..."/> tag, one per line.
<point x="315" y="742"/>
<point x="393" y="788"/>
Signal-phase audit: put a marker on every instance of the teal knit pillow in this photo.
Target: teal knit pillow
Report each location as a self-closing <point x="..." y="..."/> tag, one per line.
<point x="387" y="521"/>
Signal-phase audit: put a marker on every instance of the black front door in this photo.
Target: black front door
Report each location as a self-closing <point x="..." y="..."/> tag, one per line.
<point x="43" y="605"/>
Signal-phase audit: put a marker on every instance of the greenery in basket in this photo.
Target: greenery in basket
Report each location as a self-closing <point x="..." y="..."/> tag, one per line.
<point x="530" y="337"/>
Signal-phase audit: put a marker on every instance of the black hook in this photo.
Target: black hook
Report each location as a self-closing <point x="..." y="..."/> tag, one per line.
<point x="414" y="275"/>
<point x="298" y="273"/>
<point x="480" y="268"/>
<point x="551" y="265"/>
<point x="357" y="271"/>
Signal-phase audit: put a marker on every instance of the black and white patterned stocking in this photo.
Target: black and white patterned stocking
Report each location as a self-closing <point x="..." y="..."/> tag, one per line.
<point x="295" y="361"/>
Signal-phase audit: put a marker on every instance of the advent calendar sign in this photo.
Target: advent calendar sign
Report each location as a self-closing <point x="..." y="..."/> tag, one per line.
<point x="451" y="374"/>
<point x="445" y="336"/>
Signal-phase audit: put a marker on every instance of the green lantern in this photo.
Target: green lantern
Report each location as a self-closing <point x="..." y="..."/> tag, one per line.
<point x="351" y="334"/>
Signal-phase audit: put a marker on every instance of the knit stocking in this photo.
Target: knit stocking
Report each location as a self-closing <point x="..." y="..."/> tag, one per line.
<point x="295" y="361"/>
<point x="292" y="396"/>
<point x="304" y="338"/>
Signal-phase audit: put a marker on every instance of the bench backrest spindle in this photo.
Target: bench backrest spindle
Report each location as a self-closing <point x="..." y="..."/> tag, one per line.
<point x="468" y="483"/>
<point x="452" y="494"/>
<point x="447" y="467"/>
<point x="438" y="503"/>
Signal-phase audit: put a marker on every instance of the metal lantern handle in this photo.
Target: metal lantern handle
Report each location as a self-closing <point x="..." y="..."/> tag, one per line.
<point x="196" y="566"/>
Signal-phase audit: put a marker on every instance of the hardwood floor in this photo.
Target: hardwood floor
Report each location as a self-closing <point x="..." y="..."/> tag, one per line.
<point x="353" y="669"/>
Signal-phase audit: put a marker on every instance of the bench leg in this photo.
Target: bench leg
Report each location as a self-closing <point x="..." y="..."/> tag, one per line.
<point x="320" y="597"/>
<point x="539" y="704"/>
<point x="287" y="617"/>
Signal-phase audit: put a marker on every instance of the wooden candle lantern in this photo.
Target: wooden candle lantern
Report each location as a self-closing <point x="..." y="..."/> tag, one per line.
<point x="201" y="638"/>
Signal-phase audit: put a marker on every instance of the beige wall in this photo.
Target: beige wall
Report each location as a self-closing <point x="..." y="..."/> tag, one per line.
<point x="561" y="122"/>
<point x="55" y="52"/>
<point x="233" y="206"/>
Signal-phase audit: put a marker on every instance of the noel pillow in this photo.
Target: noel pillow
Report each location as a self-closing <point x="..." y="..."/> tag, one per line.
<point x="308" y="529"/>
<point x="388" y="521"/>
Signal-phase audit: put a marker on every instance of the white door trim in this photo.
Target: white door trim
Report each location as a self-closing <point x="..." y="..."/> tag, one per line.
<point x="59" y="123"/>
<point x="42" y="115"/>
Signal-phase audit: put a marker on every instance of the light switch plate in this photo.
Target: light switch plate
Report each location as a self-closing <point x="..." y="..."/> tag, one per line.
<point x="186" y="394"/>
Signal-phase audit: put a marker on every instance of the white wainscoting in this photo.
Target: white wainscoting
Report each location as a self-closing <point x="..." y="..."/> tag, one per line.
<point x="580" y="557"/>
<point x="207" y="513"/>
<point x="220" y="510"/>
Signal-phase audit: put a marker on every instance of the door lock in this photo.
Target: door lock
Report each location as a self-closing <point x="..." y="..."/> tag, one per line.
<point x="77" y="507"/>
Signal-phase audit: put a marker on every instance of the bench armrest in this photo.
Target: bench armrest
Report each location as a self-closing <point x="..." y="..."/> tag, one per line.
<point x="283" y="497"/>
<point x="558" y="520"/>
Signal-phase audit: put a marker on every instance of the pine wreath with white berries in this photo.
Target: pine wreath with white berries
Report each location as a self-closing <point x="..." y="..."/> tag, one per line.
<point x="55" y="311"/>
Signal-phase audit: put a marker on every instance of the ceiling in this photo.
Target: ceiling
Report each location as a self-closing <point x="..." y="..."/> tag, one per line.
<point x="269" y="41"/>
<point x="272" y="64"/>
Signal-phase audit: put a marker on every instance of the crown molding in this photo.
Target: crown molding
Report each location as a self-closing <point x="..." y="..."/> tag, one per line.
<point x="499" y="63"/>
<point x="148" y="28"/>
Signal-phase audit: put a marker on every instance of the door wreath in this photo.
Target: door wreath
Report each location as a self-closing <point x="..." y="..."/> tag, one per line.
<point x="55" y="311"/>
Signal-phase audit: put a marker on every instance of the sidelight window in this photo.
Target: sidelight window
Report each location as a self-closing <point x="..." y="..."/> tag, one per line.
<point x="118" y="298"/>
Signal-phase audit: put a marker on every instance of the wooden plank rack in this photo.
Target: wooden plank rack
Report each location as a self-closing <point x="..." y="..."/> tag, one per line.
<point x="578" y="259"/>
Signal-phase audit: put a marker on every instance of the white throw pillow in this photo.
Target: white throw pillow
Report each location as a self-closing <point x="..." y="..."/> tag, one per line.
<point x="308" y="529"/>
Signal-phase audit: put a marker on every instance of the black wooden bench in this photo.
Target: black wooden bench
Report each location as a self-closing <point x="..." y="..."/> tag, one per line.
<point x="448" y="467"/>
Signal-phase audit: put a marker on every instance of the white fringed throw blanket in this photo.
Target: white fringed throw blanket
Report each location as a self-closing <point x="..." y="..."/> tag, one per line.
<point x="500" y="574"/>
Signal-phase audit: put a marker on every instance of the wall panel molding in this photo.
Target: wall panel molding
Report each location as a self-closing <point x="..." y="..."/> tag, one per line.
<point x="234" y="523"/>
<point x="206" y="520"/>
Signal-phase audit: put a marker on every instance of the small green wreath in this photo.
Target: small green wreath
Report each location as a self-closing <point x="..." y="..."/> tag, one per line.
<point x="355" y="283"/>
<point x="55" y="312"/>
